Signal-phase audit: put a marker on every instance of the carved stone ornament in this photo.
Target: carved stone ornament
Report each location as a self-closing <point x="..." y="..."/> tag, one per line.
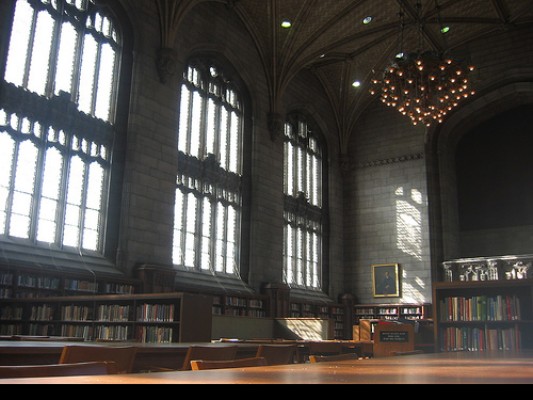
<point x="275" y="125"/>
<point x="166" y="63"/>
<point x="345" y="163"/>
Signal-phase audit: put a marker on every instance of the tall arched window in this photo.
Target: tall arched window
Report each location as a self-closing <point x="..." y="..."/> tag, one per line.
<point x="303" y="212"/>
<point x="57" y="115"/>
<point x="208" y="211"/>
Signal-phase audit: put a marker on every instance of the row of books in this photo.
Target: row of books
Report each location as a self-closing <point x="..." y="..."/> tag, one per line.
<point x="480" y="308"/>
<point x="113" y="312"/>
<point x="6" y="278"/>
<point x="480" y="339"/>
<point x="11" y="313"/>
<point x="81" y="331"/>
<point x="105" y="313"/>
<point x="39" y="329"/>
<point x="118" y="288"/>
<point x="82" y="285"/>
<point x="155" y="312"/>
<point x="93" y="287"/>
<point x="112" y="332"/>
<point x="75" y="313"/>
<point x="41" y="313"/>
<point x="154" y="334"/>
<point x="10" y="329"/>
<point x="38" y="281"/>
<point x="242" y="312"/>
<point x="54" y="283"/>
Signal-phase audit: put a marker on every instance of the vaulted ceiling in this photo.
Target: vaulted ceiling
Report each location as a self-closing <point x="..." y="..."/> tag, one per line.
<point x="329" y="38"/>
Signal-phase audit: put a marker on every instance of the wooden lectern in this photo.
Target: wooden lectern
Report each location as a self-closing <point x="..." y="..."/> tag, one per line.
<point x="390" y="338"/>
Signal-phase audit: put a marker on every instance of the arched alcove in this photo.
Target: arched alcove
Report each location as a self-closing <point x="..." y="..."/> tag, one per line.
<point x="494" y="111"/>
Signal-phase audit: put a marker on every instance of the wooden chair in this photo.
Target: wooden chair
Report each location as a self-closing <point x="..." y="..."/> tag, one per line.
<point x="406" y="353"/>
<point x="34" y="371"/>
<point x="277" y="354"/>
<point x="336" y="357"/>
<point x="325" y="348"/>
<point x="197" y="365"/>
<point x="123" y="356"/>
<point x="208" y="353"/>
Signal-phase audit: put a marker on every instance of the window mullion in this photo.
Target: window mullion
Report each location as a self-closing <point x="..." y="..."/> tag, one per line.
<point x="191" y="116"/>
<point x="294" y="262"/>
<point x="54" y="49"/>
<point x="96" y="80"/>
<point x="217" y="145"/>
<point x="183" y="227"/>
<point x="76" y="73"/>
<point x="31" y="43"/>
<point x="213" y="241"/>
<point x="11" y="192"/>
<point x="38" y="187"/>
<point x="62" y="196"/>
<point x="203" y="127"/>
<point x="83" y="205"/>
<point x="198" y="233"/>
<point x="224" y="232"/>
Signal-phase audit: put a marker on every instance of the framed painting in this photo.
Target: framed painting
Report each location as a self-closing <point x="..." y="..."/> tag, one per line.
<point x="386" y="280"/>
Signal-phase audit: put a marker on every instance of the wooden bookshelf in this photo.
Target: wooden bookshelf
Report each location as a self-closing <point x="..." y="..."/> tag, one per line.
<point x="145" y="318"/>
<point x="488" y="315"/>
<point x="22" y="282"/>
<point x="238" y="305"/>
<point x="391" y="312"/>
<point x="321" y="310"/>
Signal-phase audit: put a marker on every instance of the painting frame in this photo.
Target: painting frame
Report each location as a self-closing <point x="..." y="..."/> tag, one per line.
<point x="386" y="280"/>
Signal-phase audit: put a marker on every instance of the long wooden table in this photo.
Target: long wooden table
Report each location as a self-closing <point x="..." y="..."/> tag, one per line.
<point x="433" y="368"/>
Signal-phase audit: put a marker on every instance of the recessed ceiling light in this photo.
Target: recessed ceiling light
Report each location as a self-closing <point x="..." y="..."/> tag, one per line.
<point x="286" y="24"/>
<point x="367" y="20"/>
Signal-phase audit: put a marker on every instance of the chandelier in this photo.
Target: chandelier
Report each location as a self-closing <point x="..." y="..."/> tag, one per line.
<point x="424" y="86"/>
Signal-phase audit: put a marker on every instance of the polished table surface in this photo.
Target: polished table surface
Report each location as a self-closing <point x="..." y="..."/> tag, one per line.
<point x="432" y="368"/>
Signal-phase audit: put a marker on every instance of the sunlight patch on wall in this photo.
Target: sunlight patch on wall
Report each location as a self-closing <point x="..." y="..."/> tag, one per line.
<point x="413" y="293"/>
<point x="408" y="222"/>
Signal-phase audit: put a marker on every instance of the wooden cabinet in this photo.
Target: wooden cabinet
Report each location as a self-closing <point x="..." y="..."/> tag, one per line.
<point x="146" y="318"/>
<point x="479" y="316"/>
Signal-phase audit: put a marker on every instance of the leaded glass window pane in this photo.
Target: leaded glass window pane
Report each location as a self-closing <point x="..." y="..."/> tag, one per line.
<point x="207" y="236"/>
<point x="56" y="171"/>
<point x="303" y="205"/>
